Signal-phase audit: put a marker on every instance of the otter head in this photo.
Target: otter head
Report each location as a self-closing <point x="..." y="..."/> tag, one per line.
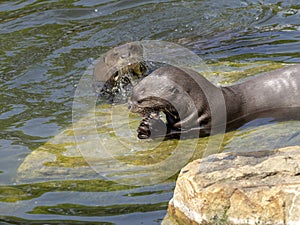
<point x="121" y="64"/>
<point x="168" y="90"/>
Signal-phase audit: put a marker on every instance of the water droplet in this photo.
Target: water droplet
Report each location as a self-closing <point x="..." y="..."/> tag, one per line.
<point x="96" y="10"/>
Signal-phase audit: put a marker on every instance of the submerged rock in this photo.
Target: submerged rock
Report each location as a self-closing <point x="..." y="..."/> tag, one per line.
<point x="260" y="187"/>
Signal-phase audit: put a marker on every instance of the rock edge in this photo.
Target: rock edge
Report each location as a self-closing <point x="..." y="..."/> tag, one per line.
<point x="260" y="187"/>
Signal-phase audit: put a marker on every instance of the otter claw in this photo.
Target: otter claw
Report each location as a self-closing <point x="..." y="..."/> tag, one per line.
<point x="143" y="136"/>
<point x="144" y="130"/>
<point x="144" y="123"/>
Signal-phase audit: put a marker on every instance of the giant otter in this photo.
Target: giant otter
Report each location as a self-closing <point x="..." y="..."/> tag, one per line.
<point x="183" y="94"/>
<point x="119" y="67"/>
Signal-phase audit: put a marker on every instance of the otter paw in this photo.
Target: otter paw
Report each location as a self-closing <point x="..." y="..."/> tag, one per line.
<point x="151" y="128"/>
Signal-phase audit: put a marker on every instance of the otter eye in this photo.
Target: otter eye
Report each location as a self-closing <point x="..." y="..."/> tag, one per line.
<point x="139" y="101"/>
<point x="125" y="55"/>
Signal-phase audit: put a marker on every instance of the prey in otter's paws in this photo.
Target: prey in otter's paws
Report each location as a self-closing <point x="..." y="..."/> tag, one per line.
<point x="152" y="127"/>
<point x="194" y="105"/>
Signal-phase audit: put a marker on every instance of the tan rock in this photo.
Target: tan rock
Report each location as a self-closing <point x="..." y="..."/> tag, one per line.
<point x="240" y="188"/>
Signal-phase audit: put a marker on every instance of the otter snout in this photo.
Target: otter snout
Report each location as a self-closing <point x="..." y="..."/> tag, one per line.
<point x="135" y="107"/>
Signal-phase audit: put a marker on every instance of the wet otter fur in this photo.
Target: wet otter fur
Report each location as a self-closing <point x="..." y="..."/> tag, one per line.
<point x="182" y="95"/>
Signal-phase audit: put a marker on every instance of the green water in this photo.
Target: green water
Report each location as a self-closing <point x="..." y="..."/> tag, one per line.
<point x="46" y="47"/>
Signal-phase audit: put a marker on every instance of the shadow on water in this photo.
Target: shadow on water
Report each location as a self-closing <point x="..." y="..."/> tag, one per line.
<point x="46" y="48"/>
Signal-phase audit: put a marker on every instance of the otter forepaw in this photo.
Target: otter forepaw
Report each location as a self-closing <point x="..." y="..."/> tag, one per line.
<point x="151" y="128"/>
<point x="144" y="129"/>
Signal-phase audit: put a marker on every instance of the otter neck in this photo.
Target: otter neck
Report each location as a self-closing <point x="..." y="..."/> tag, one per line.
<point x="235" y="103"/>
<point x="263" y="95"/>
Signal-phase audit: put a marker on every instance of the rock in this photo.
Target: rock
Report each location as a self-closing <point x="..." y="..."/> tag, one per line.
<point x="260" y="187"/>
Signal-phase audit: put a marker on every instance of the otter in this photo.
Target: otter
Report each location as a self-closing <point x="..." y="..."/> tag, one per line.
<point x="119" y="67"/>
<point x="189" y="100"/>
